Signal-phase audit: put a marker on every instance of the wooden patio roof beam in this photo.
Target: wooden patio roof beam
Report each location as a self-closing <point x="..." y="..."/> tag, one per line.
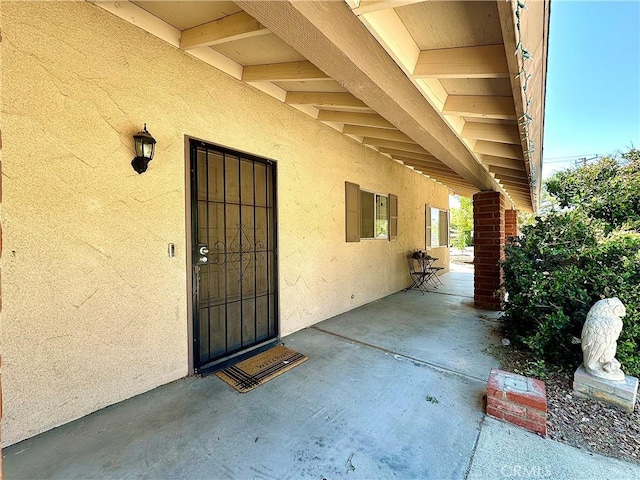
<point x="524" y="197"/>
<point x="518" y="196"/>
<point x="513" y="185"/>
<point x="360" y="7"/>
<point x="371" y="132"/>
<point x="440" y="170"/>
<point x="416" y="156"/>
<point x="502" y="162"/>
<point x="435" y="168"/>
<point x="508" y="171"/>
<point x="516" y="189"/>
<point x="521" y="200"/>
<point x="330" y="36"/>
<point x="406" y="147"/>
<point x="522" y="204"/>
<point x="325" y="99"/>
<point x="233" y="27"/>
<point x="485" y="61"/>
<point x="499" y="150"/>
<point x="445" y="180"/>
<point x="283" y="72"/>
<point x="513" y="182"/>
<point x="481" y="106"/>
<point x="511" y="176"/>
<point x="491" y="132"/>
<point x="353" y="118"/>
<point x="465" y="192"/>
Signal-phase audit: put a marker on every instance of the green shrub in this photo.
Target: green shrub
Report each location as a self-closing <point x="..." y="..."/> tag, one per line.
<point x="566" y="261"/>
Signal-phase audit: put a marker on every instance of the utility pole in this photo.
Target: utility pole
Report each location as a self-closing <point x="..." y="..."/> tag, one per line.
<point x="582" y="162"/>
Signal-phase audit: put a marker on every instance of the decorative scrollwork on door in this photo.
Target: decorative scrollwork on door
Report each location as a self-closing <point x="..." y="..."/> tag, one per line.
<point x="240" y="252"/>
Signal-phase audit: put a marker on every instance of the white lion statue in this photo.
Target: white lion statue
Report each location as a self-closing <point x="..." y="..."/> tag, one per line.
<point x="599" y="339"/>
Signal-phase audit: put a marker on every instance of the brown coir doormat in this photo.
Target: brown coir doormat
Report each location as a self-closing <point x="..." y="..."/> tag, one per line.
<point x="255" y="371"/>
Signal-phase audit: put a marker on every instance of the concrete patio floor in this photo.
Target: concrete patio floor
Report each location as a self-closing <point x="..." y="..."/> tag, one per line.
<point x="393" y="389"/>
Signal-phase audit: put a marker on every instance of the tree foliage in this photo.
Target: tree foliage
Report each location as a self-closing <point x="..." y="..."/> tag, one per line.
<point x="570" y="258"/>
<point x="462" y="222"/>
<point x="607" y="190"/>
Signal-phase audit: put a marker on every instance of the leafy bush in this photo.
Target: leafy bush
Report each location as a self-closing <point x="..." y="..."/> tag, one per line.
<point x="567" y="260"/>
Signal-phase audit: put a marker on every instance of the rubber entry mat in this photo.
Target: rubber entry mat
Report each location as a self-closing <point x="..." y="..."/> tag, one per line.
<point x="255" y="371"/>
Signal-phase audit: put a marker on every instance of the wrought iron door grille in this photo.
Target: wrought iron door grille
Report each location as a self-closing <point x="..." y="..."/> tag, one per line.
<point x="234" y="217"/>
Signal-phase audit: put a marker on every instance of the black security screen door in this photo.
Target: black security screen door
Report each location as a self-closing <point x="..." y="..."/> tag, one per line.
<point x="234" y="253"/>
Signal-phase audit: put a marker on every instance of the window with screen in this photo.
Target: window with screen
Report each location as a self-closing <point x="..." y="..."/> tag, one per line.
<point x="370" y="215"/>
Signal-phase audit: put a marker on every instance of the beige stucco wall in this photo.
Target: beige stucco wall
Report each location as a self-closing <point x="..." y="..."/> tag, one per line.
<point x="94" y="310"/>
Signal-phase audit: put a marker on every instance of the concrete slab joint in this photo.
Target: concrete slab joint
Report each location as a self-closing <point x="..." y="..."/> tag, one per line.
<point x="519" y="400"/>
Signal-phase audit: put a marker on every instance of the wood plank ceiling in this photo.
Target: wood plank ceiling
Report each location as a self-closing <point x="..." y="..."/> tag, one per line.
<point x="450" y="112"/>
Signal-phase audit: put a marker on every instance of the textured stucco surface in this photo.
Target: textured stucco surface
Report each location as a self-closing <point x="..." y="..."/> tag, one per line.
<point x="94" y="310"/>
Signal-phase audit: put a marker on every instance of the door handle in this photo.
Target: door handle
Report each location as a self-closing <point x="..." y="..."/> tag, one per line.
<point x="202" y="254"/>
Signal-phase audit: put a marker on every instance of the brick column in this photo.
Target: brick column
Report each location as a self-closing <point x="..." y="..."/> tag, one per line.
<point x="488" y="243"/>
<point x="510" y="224"/>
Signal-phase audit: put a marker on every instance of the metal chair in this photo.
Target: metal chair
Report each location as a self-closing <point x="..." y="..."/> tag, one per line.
<point x="432" y="276"/>
<point x="418" y="277"/>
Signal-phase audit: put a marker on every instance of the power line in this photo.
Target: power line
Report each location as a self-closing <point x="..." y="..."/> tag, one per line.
<point x="547" y="162"/>
<point x="574" y="156"/>
<point x="584" y="160"/>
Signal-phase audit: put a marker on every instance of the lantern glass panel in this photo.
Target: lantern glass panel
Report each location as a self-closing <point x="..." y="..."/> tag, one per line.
<point x="147" y="148"/>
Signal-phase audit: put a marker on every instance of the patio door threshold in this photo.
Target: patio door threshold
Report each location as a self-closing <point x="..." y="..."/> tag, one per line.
<point x="221" y="363"/>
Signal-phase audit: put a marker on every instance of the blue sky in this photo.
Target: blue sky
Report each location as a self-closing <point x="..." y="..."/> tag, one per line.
<point x="593" y="80"/>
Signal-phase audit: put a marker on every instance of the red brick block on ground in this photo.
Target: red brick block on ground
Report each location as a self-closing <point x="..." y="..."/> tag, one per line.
<point x="519" y="400"/>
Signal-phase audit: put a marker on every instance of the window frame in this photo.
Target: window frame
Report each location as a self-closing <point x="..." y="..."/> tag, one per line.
<point x="353" y="214"/>
<point x="444" y="239"/>
<point x="376" y="216"/>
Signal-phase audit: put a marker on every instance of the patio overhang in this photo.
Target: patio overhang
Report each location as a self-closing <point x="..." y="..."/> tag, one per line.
<point x="452" y="89"/>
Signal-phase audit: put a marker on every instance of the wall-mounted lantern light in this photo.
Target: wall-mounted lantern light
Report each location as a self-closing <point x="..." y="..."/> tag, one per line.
<point x="145" y="147"/>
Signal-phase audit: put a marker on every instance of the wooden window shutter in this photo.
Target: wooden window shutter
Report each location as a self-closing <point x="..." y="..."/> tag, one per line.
<point x="393" y="217"/>
<point x="427" y="225"/>
<point x="444" y="228"/>
<point x="352" y="211"/>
